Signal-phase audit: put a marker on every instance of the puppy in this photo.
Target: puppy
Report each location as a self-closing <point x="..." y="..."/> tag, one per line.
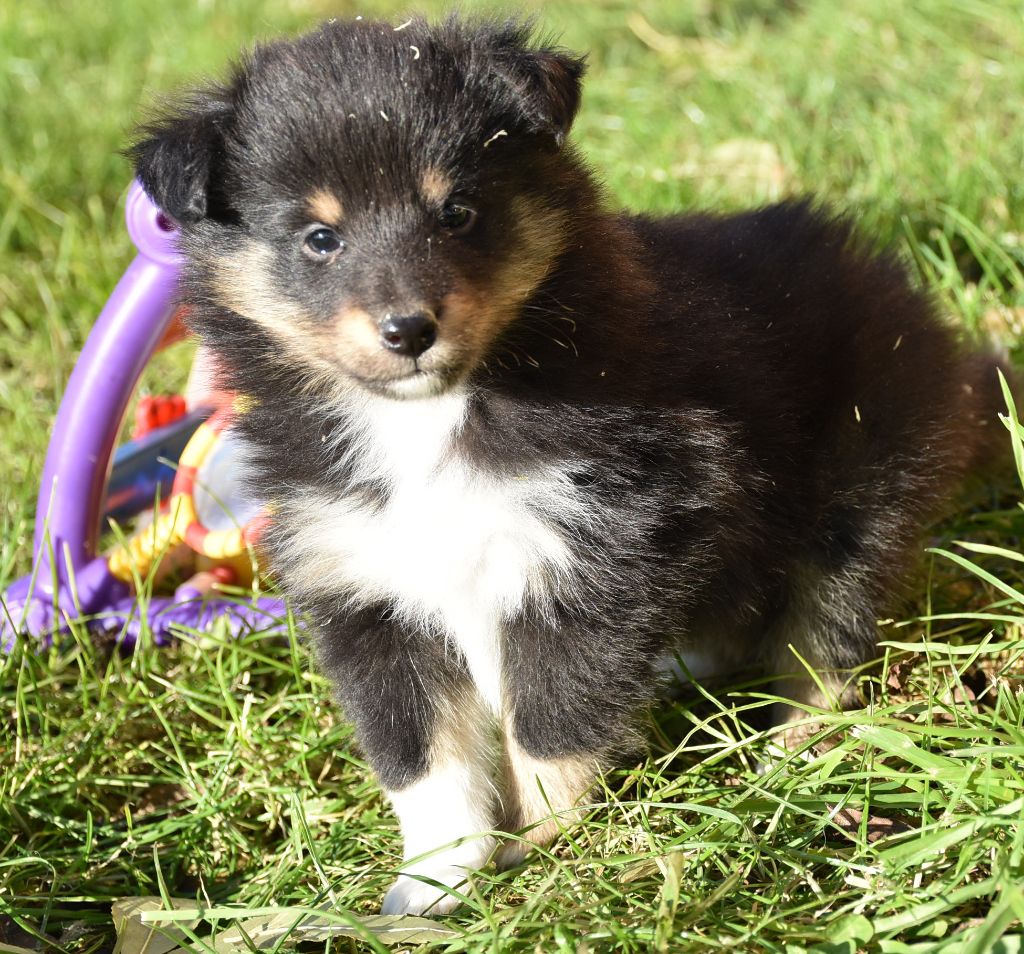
<point x="521" y="449"/>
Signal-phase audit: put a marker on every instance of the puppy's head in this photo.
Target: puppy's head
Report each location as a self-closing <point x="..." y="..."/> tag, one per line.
<point x="377" y="202"/>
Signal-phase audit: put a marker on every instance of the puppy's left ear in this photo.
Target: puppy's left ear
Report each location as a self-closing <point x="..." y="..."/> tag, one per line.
<point x="177" y="158"/>
<point x="546" y="81"/>
<point x="550" y="84"/>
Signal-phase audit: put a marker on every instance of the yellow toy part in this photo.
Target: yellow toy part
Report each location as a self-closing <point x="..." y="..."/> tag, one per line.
<point x="207" y="511"/>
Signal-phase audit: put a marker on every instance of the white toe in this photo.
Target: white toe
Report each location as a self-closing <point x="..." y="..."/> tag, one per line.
<point x="411" y="895"/>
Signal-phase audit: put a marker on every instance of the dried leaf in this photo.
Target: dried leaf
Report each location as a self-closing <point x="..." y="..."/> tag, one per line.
<point x="136" y="937"/>
<point x="642" y="869"/>
<point x="849" y="821"/>
<point x="267" y="932"/>
<point x="261" y="931"/>
<point x="899" y="674"/>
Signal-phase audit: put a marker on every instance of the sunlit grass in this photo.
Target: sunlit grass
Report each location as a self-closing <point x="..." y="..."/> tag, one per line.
<point x="218" y="770"/>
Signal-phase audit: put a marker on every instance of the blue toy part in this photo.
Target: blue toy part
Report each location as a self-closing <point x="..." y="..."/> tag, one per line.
<point x="145" y="468"/>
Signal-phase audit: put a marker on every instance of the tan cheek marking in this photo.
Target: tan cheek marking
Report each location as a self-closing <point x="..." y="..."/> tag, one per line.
<point x="541" y="238"/>
<point x="435" y="186"/>
<point x="320" y="351"/>
<point x="470" y="319"/>
<point x="476" y="315"/>
<point x="324" y="206"/>
<point x="358" y="329"/>
<point x="241" y="285"/>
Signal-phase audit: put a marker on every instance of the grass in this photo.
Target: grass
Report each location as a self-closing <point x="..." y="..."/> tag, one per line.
<point x="217" y="771"/>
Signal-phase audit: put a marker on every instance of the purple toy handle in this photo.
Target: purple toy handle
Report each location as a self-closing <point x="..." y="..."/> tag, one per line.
<point x="70" y="578"/>
<point x="122" y="341"/>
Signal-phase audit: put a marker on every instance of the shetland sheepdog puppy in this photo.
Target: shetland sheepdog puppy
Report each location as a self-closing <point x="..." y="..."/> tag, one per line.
<point x="521" y="448"/>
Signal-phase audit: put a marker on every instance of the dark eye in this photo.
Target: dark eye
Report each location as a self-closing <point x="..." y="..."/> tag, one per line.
<point x="323" y="242"/>
<point x="456" y="217"/>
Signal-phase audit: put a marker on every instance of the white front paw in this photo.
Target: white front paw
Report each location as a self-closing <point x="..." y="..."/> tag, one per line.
<point x="414" y="893"/>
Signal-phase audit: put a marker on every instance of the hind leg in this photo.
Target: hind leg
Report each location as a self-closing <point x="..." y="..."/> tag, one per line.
<point x="865" y="541"/>
<point x="829" y="688"/>
<point x="828" y="630"/>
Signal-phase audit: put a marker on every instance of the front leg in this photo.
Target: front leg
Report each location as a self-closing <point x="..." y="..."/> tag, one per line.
<point x="540" y="795"/>
<point x="445" y="811"/>
<point x="574" y="692"/>
<point x="425" y="732"/>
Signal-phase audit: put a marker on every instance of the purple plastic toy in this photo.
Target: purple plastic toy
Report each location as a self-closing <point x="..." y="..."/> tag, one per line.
<point x="70" y="579"/>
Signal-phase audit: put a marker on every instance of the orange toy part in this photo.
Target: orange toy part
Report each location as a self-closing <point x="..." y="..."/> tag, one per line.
<point x="176" y="330"/>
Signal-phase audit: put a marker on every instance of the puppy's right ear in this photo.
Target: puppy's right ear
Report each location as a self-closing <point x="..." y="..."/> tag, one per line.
<point x="178" y="156"/>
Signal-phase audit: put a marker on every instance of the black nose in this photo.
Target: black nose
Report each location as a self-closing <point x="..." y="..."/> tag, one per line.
<point x="409" y="334"/>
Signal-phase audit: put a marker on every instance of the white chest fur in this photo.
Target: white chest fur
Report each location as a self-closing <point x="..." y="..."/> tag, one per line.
<point x="454" y="550"/>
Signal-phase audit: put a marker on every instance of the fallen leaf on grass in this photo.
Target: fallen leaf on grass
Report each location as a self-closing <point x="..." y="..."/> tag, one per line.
<point x="136" y="937"/>
<point x="898" y="677"/>
<point x="146" y="926"/>
<point x="642" y="869"/>
<point x="959" y="696"/>
<point x="301" y="926"/>
<point x="849" y="821"/>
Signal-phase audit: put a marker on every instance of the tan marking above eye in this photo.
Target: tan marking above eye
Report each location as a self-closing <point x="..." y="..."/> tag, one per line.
<point x="436" y="186"/>
<point x="324" y="206"/>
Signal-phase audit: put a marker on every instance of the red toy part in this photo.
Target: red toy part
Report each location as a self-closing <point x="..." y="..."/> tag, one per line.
<point x="157" y="410"/>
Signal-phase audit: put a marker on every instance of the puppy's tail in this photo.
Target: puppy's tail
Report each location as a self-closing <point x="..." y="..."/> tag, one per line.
<point x="993" y="389"/>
